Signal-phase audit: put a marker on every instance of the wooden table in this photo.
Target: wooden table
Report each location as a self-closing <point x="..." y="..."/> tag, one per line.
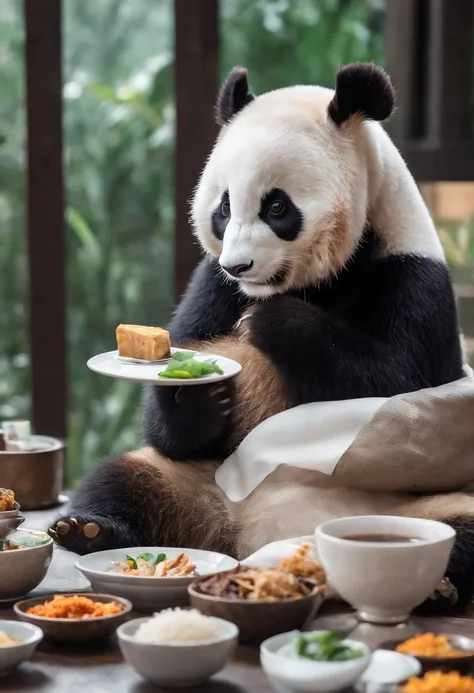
<point x="100" y="669"/>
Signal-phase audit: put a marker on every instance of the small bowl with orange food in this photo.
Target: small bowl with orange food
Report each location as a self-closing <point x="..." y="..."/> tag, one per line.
<point x="439" y="682"/>
<point x="74" y="617"/>
<point x="437" y="650"/>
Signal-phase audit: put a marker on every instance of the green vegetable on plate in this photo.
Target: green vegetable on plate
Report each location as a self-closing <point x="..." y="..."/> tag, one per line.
<point x="182" y="365"/>
<point x="147" y="557"/>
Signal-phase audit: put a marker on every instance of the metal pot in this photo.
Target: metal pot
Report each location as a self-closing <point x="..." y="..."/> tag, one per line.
<point x="35" y="476"/>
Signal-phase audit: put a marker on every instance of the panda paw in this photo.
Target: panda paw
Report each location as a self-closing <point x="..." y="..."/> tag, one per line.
<point x="83" y="534"/>
<point x="182" y="423"/>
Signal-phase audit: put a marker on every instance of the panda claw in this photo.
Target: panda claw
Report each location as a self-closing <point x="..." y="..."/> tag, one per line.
<point x="62" y="528"/>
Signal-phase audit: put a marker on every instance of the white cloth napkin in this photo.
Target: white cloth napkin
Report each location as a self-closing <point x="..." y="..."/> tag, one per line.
<point x="311" y="436"/>
<point x="270" y="555"/>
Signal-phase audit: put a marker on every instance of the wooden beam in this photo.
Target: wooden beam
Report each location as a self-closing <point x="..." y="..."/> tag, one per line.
<point x="449" y="60"/>
<point x="46" y="236"/>
<point x="433" y="164"/>
<point x="196" y="84"/>
<point x="401" y="46"/>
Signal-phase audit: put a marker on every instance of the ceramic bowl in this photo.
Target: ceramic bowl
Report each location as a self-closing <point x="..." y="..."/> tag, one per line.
<point x="74" y="629"/>
<point x="177" y="665"/>
<point x="384" y="581"/>
<point x="10" y="520"/>
<point x="149" y="594"/>
<point x="258" y="620"/>
<point x="23" y="569"/>
<point x="459" y="642"/>
<point x="305" y="676"/>
<point x="13" y="655"/>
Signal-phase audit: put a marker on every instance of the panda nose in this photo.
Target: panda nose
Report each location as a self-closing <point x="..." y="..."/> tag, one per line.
<point x="238" y="270"/>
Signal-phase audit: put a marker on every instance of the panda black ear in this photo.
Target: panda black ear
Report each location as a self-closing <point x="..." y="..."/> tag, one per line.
<point x="363" y="89"/>
<point x="234" y="95"/>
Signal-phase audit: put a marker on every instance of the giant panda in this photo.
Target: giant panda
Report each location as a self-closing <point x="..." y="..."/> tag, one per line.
<point x="322" y="274"/>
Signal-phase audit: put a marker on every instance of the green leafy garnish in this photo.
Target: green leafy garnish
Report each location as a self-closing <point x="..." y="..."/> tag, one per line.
<point x="146" y="557"/>
<point x="182" y="365"/>
<point x="160" y="558"/>
<point x="131" y="560"/>
<point x="324" y="647"/>
<point x="183" y="355"/>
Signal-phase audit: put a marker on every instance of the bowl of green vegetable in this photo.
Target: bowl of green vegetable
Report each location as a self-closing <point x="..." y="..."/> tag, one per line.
<point x="313" y="662"/>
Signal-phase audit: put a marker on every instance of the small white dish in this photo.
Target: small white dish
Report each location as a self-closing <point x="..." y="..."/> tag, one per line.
<point x="387" y="667"/>
<point x="13" y="655"/>
<point x="177" y="665"/>
<point x="111" y="365"/>
<point x="149" y="593"/>
<point x="289" y="675"/>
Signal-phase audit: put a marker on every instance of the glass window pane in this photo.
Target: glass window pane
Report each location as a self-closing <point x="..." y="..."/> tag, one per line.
<point x="14" y="337"/>
<point x="119" y="142"/>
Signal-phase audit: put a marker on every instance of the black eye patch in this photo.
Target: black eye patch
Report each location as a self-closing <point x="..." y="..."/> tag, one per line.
<point x="220" y="217"/>
<point x="281" y="214"/>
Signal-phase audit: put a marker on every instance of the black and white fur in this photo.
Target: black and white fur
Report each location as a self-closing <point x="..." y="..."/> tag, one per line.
<point x="315" y="232"/>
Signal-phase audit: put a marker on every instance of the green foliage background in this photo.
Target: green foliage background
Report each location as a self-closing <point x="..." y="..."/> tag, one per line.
<point x="119" y="142"/>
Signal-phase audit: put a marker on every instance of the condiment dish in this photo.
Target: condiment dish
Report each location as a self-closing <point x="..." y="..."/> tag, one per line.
<point x="177" y="664"/>
<point x="23" y="569"/>
<point x="74" y="629"/>
<point x="299" y="675"/>
<point x="29" y="637"/>
<point x="149" y="594"/>
<point x="459" y="642"/>
<point x="258" y="620"/>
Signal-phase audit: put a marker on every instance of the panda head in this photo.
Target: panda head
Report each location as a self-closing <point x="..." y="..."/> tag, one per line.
<point x="282" y="201"/>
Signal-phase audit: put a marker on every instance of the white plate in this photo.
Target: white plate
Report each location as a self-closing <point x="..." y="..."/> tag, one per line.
<point x="149" y="593"/>
<point x="112" y="365"/>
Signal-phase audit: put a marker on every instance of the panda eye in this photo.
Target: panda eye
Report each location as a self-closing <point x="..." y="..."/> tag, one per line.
<point x="277" y="208"/>
<point x="225" y="209"/>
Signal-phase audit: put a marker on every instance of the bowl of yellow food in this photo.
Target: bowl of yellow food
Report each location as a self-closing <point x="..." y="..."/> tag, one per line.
<point x="439" y="682"/>
<point x="18" y="641"/>
<point x="435" y="650"/>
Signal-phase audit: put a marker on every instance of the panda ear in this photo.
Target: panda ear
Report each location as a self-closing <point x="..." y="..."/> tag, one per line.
<point x="363" y="89"/>
<point x="234" y="95"/>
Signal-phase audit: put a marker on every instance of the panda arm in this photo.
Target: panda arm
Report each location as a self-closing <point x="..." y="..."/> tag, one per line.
<point x="194" y="422"/>
<point x="393" y="329"/>
<point x="210" y="306"/>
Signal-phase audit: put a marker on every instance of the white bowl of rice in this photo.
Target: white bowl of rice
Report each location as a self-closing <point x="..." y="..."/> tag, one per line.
<point x="177" y="647"/>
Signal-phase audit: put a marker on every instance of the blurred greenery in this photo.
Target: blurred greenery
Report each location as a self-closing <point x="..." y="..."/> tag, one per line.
<point x="119" y="143"/>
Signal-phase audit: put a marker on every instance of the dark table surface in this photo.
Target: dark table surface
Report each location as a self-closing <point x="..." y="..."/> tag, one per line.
<point x="100" y="668"/>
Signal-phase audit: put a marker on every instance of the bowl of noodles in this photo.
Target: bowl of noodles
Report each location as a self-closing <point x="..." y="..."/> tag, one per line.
<point x="263" y="601"/>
